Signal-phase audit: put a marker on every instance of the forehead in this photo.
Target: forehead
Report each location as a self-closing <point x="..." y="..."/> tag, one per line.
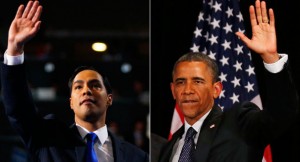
<point x="86" y="75"/>
<point x="191" y="67"/>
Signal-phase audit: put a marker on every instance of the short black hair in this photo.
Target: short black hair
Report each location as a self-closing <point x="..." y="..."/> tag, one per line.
<point x="82" y="68"/>
<point x="200" y="57"/>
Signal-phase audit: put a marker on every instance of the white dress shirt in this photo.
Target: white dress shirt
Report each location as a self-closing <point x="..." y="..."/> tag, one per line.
<point x="197" y="127"/>
<point x="103" y="145"/>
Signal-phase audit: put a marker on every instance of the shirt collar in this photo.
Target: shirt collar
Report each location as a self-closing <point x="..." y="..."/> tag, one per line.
<point x="101" y="133"/>
<point x="197" y="125"/>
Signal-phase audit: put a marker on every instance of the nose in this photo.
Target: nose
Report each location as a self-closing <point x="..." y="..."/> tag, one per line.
<point x="87" y="90"/>
<point x="188" y="89"/>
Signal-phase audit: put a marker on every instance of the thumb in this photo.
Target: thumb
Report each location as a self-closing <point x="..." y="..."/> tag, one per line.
<point x="243" y="37"/>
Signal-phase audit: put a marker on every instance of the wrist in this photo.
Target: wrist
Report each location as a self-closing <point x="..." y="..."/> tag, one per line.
<point x="269" y="59"/>
<point x="14" y="50"/>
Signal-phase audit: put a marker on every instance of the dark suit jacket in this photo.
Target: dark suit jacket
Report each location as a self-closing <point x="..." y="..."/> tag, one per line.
<point x="240" y="134"/>
<point x="47" y="139"/>
<point x="157" y="142"/>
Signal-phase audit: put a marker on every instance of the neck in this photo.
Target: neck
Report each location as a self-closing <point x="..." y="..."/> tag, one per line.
<point x="90" y="126"/>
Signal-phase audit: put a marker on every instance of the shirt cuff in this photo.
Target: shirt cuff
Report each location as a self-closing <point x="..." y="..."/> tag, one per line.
<point x="277" y="66"/>
<point x="13" y="60"/>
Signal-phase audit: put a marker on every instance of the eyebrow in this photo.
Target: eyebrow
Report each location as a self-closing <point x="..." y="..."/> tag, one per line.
<point x="193" y="78"/>
<point x="198" y="78"/>
<point x="90" y="81"/>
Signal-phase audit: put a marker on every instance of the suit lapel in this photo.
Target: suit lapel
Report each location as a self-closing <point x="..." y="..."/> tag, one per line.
<point x="79" y="149"/>
<point x="168" y="148"/>
<point x="80" y="153"/>
<point x="207" y="134"/>
<point x="117" y="148"/>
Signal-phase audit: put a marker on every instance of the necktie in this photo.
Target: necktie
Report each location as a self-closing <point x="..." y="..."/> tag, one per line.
<point x="188" y="147"/>
<point x="91" y="154"/>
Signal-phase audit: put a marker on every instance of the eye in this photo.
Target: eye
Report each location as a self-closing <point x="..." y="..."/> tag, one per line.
<point x="96" y="85"/>
<point x="179" y="82"/>
<point x="200" y="81"/>
<point x="77" y="87"/>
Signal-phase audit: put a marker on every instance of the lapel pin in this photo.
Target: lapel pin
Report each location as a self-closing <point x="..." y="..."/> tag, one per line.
<point x="213" y="125"/>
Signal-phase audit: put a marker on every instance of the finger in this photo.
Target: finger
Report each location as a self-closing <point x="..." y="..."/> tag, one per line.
<point x="33" y="9"/>
<point x="253" y="20"/>
<point x="272" y="17"/>
<point x="258" y="11"/>
<point x="264" y="12"/>
<point x="37" y="14"/>
<point x="243" y="37"/>
<point x="19" y="12"/>
<point x="27" y="9"/>
<point x="36" y="27"/>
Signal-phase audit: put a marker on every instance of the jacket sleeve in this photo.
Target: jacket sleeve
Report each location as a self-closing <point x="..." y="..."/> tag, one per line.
<point x="280" y="109"/>
<point x="18" y="101"/>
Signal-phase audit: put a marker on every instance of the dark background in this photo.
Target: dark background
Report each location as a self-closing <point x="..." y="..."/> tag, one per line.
<point x="67" y="31"/>
<point x="172" y="26"/>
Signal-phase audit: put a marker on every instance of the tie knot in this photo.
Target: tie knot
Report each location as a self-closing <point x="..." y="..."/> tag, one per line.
<point x="91" y="137"/>
<point x="190" y="133"/>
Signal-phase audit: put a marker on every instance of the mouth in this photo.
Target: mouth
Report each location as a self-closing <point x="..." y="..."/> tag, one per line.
<point x="87" y="101"/>
<point x="189" y="101"/>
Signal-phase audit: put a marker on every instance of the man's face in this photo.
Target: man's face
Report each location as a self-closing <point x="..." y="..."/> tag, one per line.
<point x="89" y="99"/>
<point x="194" y="90"/>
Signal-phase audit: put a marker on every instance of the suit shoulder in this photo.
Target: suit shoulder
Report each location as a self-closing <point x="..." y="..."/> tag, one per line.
<point x="133" y="152"/>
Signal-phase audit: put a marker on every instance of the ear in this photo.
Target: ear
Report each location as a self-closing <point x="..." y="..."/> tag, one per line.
<point x="172" y="89"/>
<point x="218" y="86"/>
<point x="109" y="100"/>
<point x="71" y="103"/>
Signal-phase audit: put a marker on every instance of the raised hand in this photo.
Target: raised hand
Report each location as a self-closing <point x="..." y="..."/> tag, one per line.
<point x="24" y="26"/>
<point x="263" y="39"/>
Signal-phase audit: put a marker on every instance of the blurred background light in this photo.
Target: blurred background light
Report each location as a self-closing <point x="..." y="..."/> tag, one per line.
<point x="126" y="68"/>
<point x="49" y="67"/>
<point x="99" y="47"/>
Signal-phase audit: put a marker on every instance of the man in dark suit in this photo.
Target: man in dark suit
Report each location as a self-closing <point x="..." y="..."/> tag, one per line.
<point x="240" y="133"/>
<point x="46" y="138"/>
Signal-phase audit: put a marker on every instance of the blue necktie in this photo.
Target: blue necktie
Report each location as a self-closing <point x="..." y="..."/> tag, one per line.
<point x="91" y="154"/>
<point x="188" y="147"/>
